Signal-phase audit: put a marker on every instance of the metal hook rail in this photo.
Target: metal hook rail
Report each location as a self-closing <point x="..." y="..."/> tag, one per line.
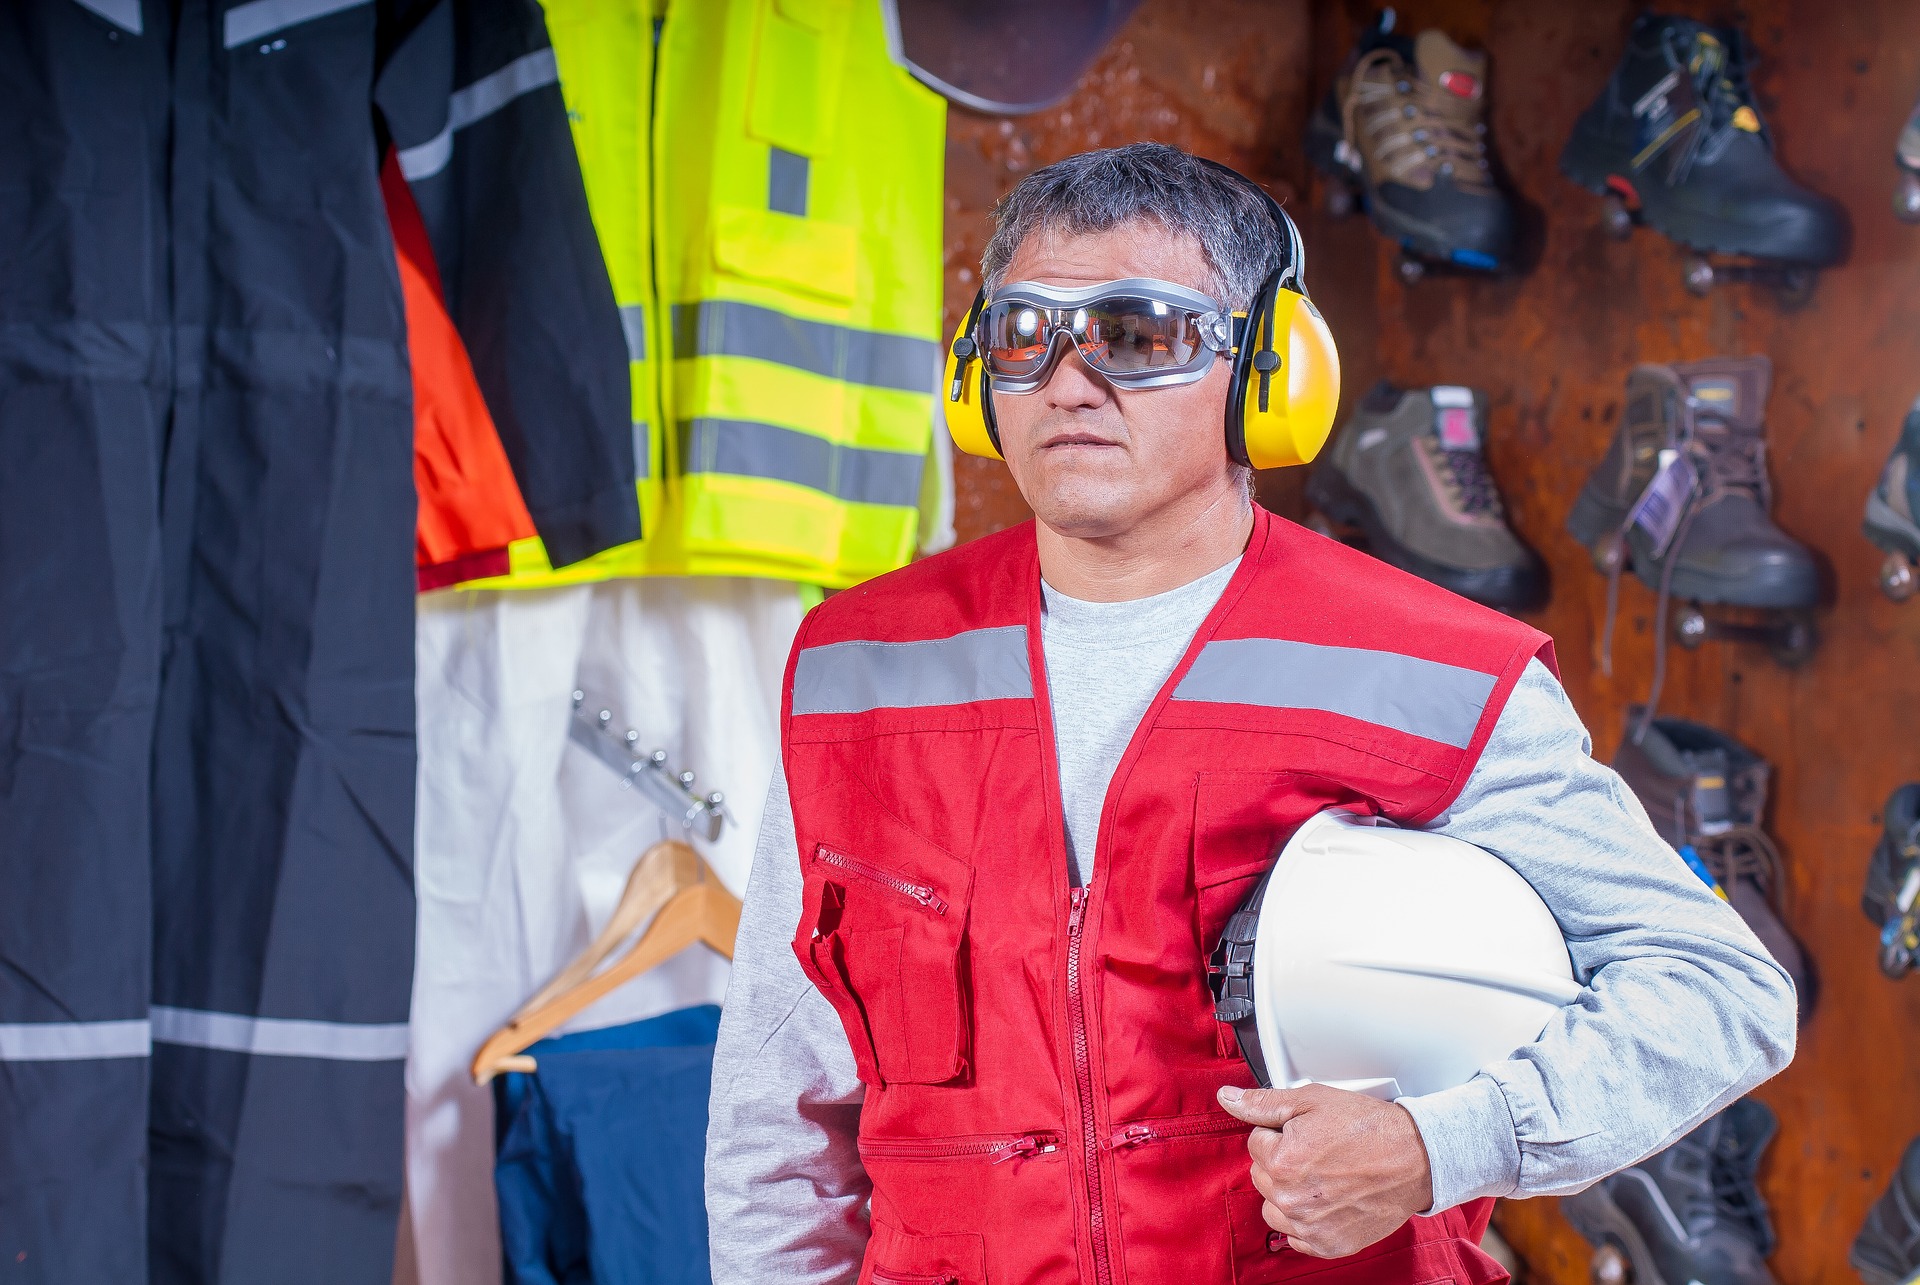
<point x="592" y="730"/>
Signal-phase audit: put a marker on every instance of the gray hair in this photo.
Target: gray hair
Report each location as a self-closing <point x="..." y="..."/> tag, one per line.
<point x="1094" y="191"/>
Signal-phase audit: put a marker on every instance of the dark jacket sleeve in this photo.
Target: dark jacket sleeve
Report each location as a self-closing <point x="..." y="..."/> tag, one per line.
<point x="471" y="96"/>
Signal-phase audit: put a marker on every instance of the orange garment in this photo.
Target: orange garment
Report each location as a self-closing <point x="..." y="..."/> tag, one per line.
<point x="470" y="505"/>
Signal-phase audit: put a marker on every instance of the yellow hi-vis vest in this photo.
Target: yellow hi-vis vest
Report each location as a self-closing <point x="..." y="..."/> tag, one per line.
<point x="792" y="251"/>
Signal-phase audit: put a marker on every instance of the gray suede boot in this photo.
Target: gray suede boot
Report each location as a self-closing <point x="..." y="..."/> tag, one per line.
<point x="1408" y="471"/>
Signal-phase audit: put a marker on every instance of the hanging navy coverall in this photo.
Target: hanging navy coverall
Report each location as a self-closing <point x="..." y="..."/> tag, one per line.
<point x="206" y="591"/>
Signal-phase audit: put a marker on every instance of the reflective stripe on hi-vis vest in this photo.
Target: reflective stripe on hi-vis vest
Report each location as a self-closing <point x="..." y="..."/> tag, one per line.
<point x="1049" y="1050"/>
<point x="786" y="352"/>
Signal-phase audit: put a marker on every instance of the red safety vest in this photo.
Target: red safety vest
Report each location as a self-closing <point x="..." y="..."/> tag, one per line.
<point x="1041" y="1061"/>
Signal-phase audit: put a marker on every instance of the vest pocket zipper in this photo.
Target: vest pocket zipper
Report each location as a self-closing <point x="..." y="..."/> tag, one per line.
<point x="997" y="1150"/>
<point x="925" y="895"/>
<point x="1138" y="1135"/>
<point x="881" y="1276"/>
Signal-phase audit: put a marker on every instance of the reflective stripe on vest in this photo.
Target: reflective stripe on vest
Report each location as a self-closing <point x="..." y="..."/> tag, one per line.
<point x="854" y="677"/>
<point x="1424" y="698"/>
<point x="725" y="328"/>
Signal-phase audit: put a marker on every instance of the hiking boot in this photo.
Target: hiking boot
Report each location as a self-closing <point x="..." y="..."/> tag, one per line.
<point x="1676" y="133"/>
<point x="1893" y="882"/>
<point x="1706" y="794"/>
<point x="1887" y="1250"/>
<point x="1691" y="1215"/>
<point x="1895" y="503"/>
<point x="1720" y="545"/>
<point x="1406" y="124"/>
<point x="1407" y="469"/>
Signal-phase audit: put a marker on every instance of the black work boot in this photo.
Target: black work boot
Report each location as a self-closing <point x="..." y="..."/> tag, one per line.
<point x="1893" y="882"/>
<point x="1722" y="546"/>
<point x="1406" y="124"/>
<point x="1691" y="1215"/>
<point x="1706" y="794"/>
<point x="1894" y="506"/>
<point x="1887" y="1250"/>
<point x="1407" y="469"/>
<point x="1676" y="130"/>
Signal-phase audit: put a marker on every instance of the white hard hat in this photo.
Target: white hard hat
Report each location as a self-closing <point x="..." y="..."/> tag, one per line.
<point x="1392" y="962"/>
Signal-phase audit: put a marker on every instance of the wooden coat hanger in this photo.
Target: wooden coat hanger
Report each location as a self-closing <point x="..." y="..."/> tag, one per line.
<point x="687" y="903"/>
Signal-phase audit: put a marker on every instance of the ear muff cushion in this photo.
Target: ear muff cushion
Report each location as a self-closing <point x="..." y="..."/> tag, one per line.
<point x="970" y="414"/>
<point x="1302" y="394"/>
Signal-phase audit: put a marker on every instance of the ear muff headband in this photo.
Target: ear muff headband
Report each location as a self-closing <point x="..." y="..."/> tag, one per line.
<point x="1285" y="383"/>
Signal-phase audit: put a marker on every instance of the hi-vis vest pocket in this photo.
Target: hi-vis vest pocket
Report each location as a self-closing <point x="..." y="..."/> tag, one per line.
<point x="883" y="937"/>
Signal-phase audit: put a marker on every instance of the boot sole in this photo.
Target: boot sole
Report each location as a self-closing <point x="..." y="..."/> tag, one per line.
<point x="1711" y="236"/>
<point x="1509" y="588"/>
<point x="1600" y="1221"/>
<point x="1889" y="530"/>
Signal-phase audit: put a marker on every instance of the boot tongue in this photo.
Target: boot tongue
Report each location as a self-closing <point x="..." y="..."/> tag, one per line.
<point x="1461" y="72"/>
<point x="1730" y="389"/>
<point x="1455" y="418"/>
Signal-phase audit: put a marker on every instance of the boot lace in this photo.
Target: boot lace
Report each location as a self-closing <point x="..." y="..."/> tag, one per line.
<point x="1725" y="461"/>
<point x="1413" y="128"/>
<point x="1720" y="71"/>
<point x="1727" y="1196"/>
<point x="1744" y="852"/>
<point x="1734" y="1195"/>
<point x="1463" y="472"/>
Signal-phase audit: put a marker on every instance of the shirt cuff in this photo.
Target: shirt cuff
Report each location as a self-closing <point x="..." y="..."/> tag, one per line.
<point x="1471" y="1147"/>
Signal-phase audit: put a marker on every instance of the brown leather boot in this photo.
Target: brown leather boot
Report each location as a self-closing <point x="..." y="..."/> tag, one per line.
<point x="1706" y="793"/>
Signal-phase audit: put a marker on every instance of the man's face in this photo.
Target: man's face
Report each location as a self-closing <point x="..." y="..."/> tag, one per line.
<point x="1094" y="461"/>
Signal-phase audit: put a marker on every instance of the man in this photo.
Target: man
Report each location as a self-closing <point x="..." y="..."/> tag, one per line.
<point x="969" y="985"/>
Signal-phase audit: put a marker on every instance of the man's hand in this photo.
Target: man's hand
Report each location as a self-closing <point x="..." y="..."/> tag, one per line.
<point x="1339" y="1170"/>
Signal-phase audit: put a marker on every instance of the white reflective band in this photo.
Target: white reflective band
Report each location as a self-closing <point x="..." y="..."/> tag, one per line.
<point x="281" y="1037"/>
<point x="853" y="677"/>
<point x="1424" y="698"/>
<point x="264" y="17"/>
<point x="642" y="450"/>
<point x="476" y="102"/>
<point x="124" y="14"/>
<point x="73" y="1041"/>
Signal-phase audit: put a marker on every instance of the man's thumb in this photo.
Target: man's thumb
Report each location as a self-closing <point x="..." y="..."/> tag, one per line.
<point x="1269" y="1108"/>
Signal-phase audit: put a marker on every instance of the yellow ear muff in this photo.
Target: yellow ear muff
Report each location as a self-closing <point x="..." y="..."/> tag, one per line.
<point x="969" y="403"/>
<point x="1286" y="384"/>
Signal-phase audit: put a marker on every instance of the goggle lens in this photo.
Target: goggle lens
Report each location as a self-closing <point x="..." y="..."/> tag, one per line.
<point x="1120" y="335"/>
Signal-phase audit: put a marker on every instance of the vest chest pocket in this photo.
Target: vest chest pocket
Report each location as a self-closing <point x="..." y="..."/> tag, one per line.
<point x="1240" y="821"/>
<point x="884" y="940"/>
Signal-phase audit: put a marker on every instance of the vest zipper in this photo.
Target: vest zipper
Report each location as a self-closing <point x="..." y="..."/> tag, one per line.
<point x="1136" y="1135"/>
<point x="1083" y="1074"/>
<point x="927" y="896"/>
<point x="881" y="1276"/>
<point x="997" y="1150"/>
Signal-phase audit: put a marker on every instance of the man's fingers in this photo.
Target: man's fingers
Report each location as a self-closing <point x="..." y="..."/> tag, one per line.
<point x="1269" y="1108"/>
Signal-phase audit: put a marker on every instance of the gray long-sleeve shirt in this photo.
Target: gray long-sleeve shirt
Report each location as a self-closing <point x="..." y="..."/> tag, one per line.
<point x="1683" y="1009"/>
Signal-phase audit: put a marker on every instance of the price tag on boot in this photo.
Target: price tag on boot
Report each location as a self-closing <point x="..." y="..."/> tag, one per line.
<point x="1664" y="502"/>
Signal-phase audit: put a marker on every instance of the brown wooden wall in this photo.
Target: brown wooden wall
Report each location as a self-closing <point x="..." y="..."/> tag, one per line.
<point x="1235" y="80"/>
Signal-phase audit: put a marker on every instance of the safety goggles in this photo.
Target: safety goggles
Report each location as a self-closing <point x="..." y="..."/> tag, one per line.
<point x="1137" y="333"/>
